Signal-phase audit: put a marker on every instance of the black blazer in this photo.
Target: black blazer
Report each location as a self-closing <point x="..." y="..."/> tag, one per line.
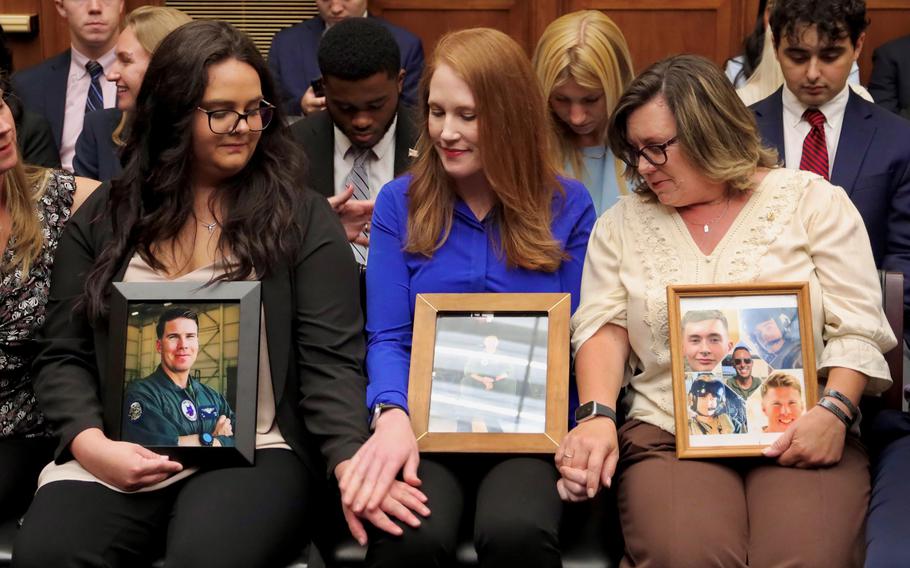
<point x="36" y="141"/>
<point x="316" y="133"/>
<point x="889" y="84"/>
<point x="42" y="89"/>
<point x="97" y="156"/>
<point x="314" y="328"/>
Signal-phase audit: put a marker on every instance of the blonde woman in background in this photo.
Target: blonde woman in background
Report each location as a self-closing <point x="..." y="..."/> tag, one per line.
<point x="583" y="64"/>
<point x="98" y="146"/>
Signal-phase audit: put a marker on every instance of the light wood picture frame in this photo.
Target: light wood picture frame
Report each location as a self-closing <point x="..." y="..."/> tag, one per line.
<point x="490" y="372"/>
<point x="743" y="365"/>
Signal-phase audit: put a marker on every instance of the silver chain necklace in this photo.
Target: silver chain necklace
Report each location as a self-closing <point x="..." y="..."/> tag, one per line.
<point x="706" y="226"/>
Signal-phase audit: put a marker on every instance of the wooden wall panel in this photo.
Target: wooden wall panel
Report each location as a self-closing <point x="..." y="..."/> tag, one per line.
<point x="656" y="29"/>
<point x="430" y="19"/>
<point x="26" y="48"/>
<point x="889" y="19"/>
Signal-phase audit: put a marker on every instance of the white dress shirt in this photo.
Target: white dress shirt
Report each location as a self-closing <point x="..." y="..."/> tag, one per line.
<point x="380" y="168"/>
<point x="796" y="128"/>
<point x="77" y="85"/>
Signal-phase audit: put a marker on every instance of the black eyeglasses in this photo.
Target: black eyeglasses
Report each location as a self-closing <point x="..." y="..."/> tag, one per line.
<point x="742" y="361"/>
<point x="226" y="121"/>
<point x="655" y="154"/>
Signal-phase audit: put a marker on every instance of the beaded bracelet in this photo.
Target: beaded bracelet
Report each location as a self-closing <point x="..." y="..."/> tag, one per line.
<point x="835" y="410"/>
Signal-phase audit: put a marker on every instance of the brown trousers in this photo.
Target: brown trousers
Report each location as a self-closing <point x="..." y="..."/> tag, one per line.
<point x="738" y="511"/>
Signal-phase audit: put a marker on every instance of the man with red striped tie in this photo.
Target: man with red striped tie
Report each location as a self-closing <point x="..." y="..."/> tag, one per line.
<point x="817" y="123"/>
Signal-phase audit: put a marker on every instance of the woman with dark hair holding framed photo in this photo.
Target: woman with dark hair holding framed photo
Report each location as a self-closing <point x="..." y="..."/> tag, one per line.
<point x="209" y="193"/>
<point x="483" y="210"/>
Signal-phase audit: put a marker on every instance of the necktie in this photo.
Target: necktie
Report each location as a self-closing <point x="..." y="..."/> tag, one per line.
<point x="815" y="149"/>
<point x="95" y="100"/>
<point x="359" y="179"/>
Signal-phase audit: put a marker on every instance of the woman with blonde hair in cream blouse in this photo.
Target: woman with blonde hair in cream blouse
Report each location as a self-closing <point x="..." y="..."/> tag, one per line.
<point x="710" y="207"/>
<point x="583" y="64"/>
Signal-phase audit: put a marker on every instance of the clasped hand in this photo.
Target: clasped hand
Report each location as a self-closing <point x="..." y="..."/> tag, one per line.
<point x="368" y="484"/>
<point x="587" y="459"/>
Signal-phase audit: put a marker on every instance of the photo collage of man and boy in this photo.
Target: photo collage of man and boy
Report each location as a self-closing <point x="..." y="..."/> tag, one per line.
<point x="743" y="361"/>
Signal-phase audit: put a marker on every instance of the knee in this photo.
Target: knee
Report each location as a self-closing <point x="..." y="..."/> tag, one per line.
<point x="426" y="545"/>
<point x="34" y="549"/>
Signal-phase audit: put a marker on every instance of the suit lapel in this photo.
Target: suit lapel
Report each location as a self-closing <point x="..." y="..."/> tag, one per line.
<point x="56" y="95"/>
<point x="855" y="136"/>
<point x="405" y="139"/>
<point x="276" y="290"/>
<point x="769" y="116"/>
<point x="322" y="156"/>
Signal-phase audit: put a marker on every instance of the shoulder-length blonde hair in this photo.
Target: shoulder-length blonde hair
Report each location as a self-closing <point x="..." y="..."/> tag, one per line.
<point x="589" y="47"/>
<point x="151" y="24"/>
<point x="714" y="129"/>
<point x="515" y="150"/>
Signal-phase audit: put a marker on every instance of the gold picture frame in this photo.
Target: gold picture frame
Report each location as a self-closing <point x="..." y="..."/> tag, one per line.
<point x="743" y="365"/>
<point x="490" y="372"/>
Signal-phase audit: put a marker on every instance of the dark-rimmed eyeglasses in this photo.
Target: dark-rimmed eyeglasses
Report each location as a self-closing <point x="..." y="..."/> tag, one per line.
<point x="225" y="121"/>
<point x="745" y="361"/>
<point x="655" y="154"/>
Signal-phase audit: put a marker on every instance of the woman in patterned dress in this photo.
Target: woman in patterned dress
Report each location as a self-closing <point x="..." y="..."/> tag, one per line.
<point x="34" y="204"/>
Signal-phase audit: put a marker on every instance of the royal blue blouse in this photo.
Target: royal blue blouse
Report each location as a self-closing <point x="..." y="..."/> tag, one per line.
<point x="467" y="262"/>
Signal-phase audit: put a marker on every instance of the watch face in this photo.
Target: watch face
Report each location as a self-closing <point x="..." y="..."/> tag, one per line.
<point x="206" y="439"/>
<point x="584" y="411"/>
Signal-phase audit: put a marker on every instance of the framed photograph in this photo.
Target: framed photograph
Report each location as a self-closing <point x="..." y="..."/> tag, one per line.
<point x="743" y="364"/>
<point x="490" y="372"/>
<point x="183" y="371"/>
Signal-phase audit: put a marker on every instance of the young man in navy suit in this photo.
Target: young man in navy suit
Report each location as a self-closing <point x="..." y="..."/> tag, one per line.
<point x="66" y="86"/>
<point x="292" y="56"/>
<point x="818" y="124"/>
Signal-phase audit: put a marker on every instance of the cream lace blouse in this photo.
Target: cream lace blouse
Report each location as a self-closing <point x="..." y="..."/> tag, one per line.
<point x="795" y="227"/>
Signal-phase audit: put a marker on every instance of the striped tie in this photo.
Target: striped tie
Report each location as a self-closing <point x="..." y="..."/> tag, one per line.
<point x="815" y="149"/>
<point x="360" y="180"/>
<point x="95" y="100"/>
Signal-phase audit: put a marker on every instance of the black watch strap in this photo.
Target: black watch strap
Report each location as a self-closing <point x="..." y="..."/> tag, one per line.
<point x="378" y="409"/>
<point x="593" y="409"/>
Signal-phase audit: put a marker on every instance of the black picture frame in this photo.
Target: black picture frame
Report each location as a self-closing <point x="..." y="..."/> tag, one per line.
<point x="246" y="295"/>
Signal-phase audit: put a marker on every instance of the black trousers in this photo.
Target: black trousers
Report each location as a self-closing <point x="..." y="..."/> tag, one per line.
<point x="243" y="517"/>
<point x="510" y="505"/>
<point x="21" y="460"/>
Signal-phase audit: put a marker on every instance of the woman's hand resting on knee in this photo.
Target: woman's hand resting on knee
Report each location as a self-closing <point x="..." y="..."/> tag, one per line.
<point x="124" y="465"/>
<point x="368" y="484"/>
<point x="586" y="459"/>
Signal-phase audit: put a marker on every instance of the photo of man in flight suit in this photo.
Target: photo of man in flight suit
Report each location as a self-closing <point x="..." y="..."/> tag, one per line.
<point x="170" y="407"/>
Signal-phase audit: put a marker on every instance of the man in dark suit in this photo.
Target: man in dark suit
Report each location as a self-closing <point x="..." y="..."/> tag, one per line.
<point x="293" y="60"/>
<point x="364" y="139"/>
<point x="66" y="86"/>
<point x="857" y="145"/>
<point x="890" y="81"/>
<point x="818" y="124"/>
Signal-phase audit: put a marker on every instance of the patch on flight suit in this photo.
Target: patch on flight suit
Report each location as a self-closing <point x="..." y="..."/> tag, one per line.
<point x="189" y="410"/>
<point x="208" y="412"/>
<point x="135" y="411"/>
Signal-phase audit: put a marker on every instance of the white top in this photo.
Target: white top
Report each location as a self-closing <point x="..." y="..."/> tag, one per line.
<point x="268" y="436"/>
<point x="77" y="85"/>
<point x="796" y="227"/>
<point x="380" y="167"/>
<point x="796" y="128"/>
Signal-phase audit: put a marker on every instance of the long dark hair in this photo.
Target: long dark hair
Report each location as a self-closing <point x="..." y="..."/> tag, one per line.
<point x="152" y="200"/>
